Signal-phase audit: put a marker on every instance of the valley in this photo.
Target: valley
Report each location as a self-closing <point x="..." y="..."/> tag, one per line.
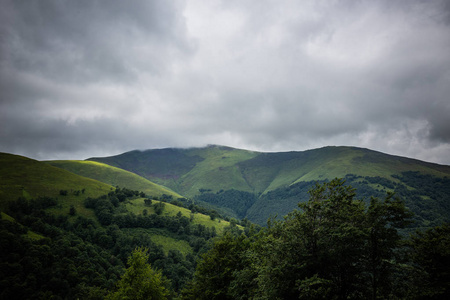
<point x="180" y="204"/>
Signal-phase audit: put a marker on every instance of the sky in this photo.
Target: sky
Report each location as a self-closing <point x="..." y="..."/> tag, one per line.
<point x="87" y="78"/>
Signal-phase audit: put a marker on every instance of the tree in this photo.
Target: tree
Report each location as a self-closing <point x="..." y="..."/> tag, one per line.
<point x="72" y="210"/>
<point x="383" y="244"/>
<point x="333" y="248"/>
<point x="316" y="252"/>
<point x="431" y="255"/>
<point x="216" y="271"/>
<point x="140" y="281"/>
<point x="159" y="207"/>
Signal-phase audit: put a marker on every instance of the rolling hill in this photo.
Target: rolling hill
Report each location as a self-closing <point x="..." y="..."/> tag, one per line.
<point x="67" y="236"/>
<point x="30" y="179"/>
<point x="24" y="177"/>
<point x="278" y="181"/>
<point x="187" y="171"/>
<point x="113" y="176"/>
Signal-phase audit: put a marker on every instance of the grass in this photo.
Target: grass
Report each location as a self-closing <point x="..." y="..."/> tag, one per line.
<point x="24" y="177"/>
<point x="137" y="206"/>
<point x="113" y="176"/>
<point x="7" y="217"/>
<point x="338" y="161"/>
<point x="169" y="243"/>
<point x="163" y="238"/>
<point x="218" y="170"/>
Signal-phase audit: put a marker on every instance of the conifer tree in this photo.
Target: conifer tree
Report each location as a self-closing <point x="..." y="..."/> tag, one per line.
<point x="140" y="281"/>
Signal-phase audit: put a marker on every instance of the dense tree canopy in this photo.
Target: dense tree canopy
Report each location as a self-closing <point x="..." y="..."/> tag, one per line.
<point x="333" y="247"/>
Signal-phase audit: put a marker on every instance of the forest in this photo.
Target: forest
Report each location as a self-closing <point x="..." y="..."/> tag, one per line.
<point x="334" y="246"/>
<point x="48" y="256"/>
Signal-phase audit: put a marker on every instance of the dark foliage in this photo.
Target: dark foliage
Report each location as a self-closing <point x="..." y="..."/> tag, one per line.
<point x="237" y="201"/>
<point x="78" y="259"/>
<point x="334" y="247"/>
<point x="64" y="266"/>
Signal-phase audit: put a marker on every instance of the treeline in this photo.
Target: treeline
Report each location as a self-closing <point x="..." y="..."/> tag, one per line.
<point x="333" y="247"/>
<point x="424" y="195"/>
<point x="237" y="201"/>
<point x="78" y="258"/>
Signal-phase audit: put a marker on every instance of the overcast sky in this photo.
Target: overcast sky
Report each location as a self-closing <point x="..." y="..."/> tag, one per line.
<point x="96" y="78"/>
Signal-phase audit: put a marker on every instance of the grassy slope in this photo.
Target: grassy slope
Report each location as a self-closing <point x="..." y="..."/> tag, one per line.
<point x="364" y="162"/>
<point x="163" y="166"/>
<point x="113" y="176"/>
<point x="137" y="206"/>
<point x="24" y="177"/>
<point x="161" y="236"/>
<point x="274" y="170"/>
<point x="216" y="167"/>
<point x="218" y="170"/>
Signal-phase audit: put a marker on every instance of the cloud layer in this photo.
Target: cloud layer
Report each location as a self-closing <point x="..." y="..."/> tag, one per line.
<point x="92" y="78"/>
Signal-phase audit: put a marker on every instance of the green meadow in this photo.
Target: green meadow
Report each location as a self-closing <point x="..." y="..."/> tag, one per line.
<point x="113" y="176"/>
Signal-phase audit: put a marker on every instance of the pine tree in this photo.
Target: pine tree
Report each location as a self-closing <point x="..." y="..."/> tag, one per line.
<point x="140" y="281"/>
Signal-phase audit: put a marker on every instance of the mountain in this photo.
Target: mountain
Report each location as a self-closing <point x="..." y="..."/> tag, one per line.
<point x="214" y="168"/>
<point x="69" y="236"/>
<point x="187" y="171"/>
<point x="273" y="183"/>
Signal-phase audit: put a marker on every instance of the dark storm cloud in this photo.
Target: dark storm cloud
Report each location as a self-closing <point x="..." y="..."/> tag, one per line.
<point x="90" y="78"/>
<point x="66" y="68"/>
<point x="86" y="41"/>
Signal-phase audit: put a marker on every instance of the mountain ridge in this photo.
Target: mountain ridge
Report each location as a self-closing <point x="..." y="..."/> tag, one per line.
<point x="279" y="180"/>
<point x="272" y="169"/>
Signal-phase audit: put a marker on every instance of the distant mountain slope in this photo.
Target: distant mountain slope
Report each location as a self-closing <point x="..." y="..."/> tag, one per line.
<point x="187" y="171"/>
<point x="269" y="171"/>
<point x="215" y="168"/>
<point x="280" y="180"/>
<point x="113" y="176"/>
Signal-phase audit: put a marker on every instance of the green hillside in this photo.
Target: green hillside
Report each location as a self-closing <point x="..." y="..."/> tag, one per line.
<point x="81" y="231"/>
<point x="273" y="178"/>
<point x="186" y="171"/>
<point x="137" y="207"/>
<point x="67" y="235"/>
<point x="113" y="176"/>
<point x="269" y="171"/>
<point x="28" y="178"/>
